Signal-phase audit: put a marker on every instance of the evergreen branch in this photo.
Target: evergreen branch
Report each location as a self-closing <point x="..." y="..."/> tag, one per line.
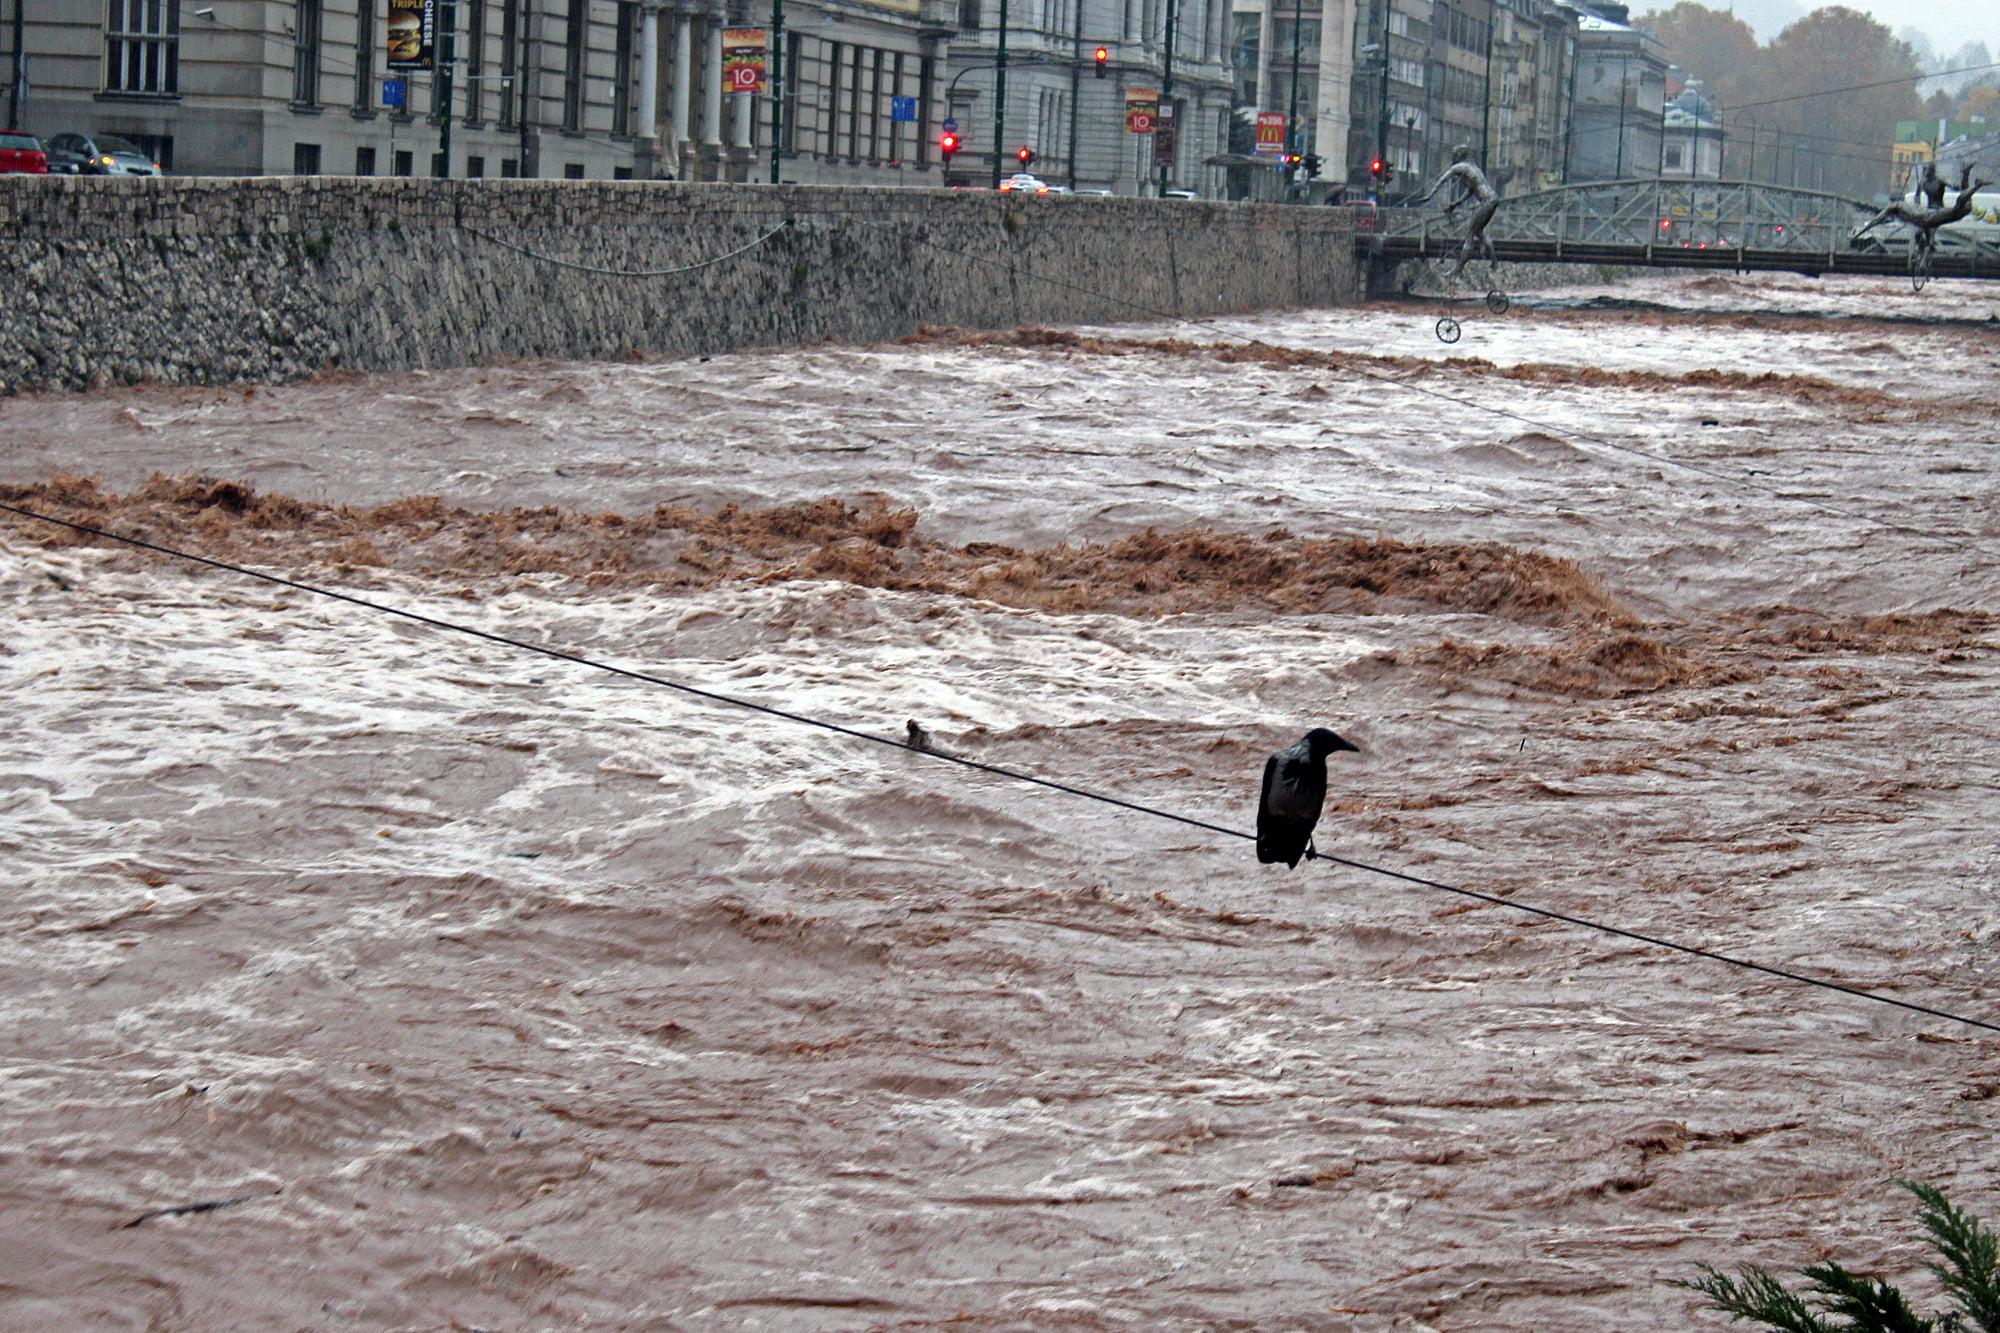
<point x="1971" y="1267"/>
<point x="1870" y="1304"/>
<point x="1758" y="1297"/>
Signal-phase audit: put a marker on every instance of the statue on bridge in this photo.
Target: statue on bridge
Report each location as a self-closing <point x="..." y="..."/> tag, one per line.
<point x="1926" y="221"/>
<point x="1472" y="184"/>
<point x="1931" y="186"/>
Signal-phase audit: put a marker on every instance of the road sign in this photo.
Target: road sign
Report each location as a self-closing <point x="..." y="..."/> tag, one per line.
<point x="903" y="108"/>
<point x="395" y="93"/>
<point x="743" y="60"/>
<point x="1142" y="108"/>
<point x="950" y="125"/>
<point x="1271" y="132"/>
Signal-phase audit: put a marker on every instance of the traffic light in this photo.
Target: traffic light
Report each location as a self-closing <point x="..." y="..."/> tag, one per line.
<point x="1026" y="155"/>
<point x="1312" y="166"/>
<point x="947" y="145"/>
<point x="1103" y="57"/>
<point x="1377" y="169"/>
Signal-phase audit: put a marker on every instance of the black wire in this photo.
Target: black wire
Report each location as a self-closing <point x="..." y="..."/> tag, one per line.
<point x="1011" y="774"/>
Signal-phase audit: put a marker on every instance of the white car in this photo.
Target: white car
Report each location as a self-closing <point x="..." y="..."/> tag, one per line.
<point x="1023" y="183"/>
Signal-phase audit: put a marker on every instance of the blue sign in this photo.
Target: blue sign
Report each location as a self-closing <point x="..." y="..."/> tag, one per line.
<point x="903" y="108"/>
<point x="950" y="125"/>
<point x="395" y="92"/>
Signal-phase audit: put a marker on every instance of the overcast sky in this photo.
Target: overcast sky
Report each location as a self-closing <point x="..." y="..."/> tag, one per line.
<point x="1949" y="24"/>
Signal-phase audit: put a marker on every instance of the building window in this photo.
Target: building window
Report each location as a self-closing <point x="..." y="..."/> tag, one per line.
<point x="510" y="61"/>
<point x="364" y="61"/>
<point x="305" y="55"/>
<point x="621" y="69"/>
<point x="968" y="15"/>
<point x="1673" y="158"/>
<point x="475" y="168"/>
<point x="621" y="173"/>
<point x="305" y="159"/>
<point x="405" y="162"/>
<point x="364" y="161"/>
<point x="142" y="49"/>
<point x="791" y="95"/>
<point x="475" y="60"/>
<point x="510" y="168"/>
<point x="573" y="171"/>
<point x="854" y="107"/>
<point x="832" y="145"/>
<point x="579" y="33"/>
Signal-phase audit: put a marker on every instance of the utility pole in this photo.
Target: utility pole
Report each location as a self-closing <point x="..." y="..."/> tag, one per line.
<point x="20" y="65"/>
<point x="1382" y="118"/>
<point x="778" y="85"/>
<point x="1075" y="88"/>
<point x="1486" y="107"/>
<point x="447" y="53"/>
<point x="1168" y="117"/>
<point x="1294" y="141"/>
<point x="1000" y="96"/>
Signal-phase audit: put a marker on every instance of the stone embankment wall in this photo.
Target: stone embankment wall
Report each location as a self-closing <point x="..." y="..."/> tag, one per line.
<point x="210" y="280"/>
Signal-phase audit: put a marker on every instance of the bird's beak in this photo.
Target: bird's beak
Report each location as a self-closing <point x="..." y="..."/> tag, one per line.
<point x="1344" y="744"/>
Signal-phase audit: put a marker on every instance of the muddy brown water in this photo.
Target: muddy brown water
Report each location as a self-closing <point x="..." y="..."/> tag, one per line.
<point x="510" y="995"/>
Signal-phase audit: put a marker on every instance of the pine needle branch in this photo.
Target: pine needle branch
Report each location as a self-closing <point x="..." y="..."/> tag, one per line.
<point x="1971" y="1268"/>
<point x="1756" y="1295"/>
<point x="1868" y="1303"/>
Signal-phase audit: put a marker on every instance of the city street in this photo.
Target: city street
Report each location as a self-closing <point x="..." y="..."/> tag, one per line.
<point x="491" y="991"/>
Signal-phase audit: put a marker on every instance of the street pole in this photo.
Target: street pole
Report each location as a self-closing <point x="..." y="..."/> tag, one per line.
<point x="1166" y="102"/>
<point x="1000" y="95"/>
<point x="447" y="53"/>
<point x="1486" y="106"/>
<point x="1294" y="141"/>
<point x="1075" y="88"/>
<point x="20" y="65"/>
<point x="777" y="84"/>
<point x="1382" y="119"/>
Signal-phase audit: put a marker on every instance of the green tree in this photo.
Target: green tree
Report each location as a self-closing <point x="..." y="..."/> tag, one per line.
<point x="1838" y="1301"/>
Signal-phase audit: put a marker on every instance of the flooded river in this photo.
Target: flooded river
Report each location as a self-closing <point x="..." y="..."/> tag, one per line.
<point x="488" y="990"/>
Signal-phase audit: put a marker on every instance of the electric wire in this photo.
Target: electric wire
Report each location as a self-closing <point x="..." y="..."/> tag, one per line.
<point x="626" y="272"/>
<point x="995" y="770"/>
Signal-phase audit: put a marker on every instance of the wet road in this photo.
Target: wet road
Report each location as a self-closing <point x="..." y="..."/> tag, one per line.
<point x="514" y="995"/>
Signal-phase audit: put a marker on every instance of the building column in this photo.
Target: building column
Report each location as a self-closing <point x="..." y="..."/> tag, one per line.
<point x="711" y="101"/>
<point x="649" y="75"/>
<point x="683" y="77"/>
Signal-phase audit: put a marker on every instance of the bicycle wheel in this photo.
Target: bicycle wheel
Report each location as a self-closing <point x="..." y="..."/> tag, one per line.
<point x="1498" y="302"/>
<point x="1447" y="330"/>
<point x="1920" y="270"/>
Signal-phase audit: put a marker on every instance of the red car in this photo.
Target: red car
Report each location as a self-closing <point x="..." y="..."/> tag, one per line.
<point x="22" y="152"/>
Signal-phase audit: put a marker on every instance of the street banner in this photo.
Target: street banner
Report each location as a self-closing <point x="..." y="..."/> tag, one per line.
<point x="743" y="60"/>
<point x="1163" y="136"/>
<point x="1142" y="108"/>
<point x="1271" y="133"/>
<point x="412" y="34"/>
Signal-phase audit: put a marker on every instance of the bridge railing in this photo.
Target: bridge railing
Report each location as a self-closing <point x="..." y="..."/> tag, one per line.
<point x="1650" y="215"/>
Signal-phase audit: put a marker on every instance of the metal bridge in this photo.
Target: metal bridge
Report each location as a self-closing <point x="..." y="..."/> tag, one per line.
<point x="1686" y="224"/>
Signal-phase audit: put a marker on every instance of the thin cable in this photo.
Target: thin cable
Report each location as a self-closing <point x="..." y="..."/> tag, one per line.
<point x="626" y="272"/>
<point x="996" y="770"/>
<point x="1384" y="377"/>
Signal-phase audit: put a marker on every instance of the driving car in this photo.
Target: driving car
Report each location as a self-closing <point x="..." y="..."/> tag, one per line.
<point x="1179" y="194"/>
<point x="98" y="155"/>
<point x="1022" y="182"/>
<point x="22" y="153"/>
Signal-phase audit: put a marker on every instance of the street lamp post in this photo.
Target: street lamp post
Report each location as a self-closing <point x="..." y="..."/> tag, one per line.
<point x="1000" y="95"/>
<point x="777" y="84"/>
<point x="1382" y="118"/>
<point x="1167" y="116"/>
<point x="447" y="53"/>
<point x="1294" y="141"/>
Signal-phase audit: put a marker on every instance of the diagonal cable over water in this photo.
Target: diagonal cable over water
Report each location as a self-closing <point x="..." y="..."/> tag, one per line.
<point x="995" y="770"/>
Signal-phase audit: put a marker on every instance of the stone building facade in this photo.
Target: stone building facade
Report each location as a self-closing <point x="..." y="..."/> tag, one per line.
<point x="1075" y="121"/>
<point x="578" y="89"/>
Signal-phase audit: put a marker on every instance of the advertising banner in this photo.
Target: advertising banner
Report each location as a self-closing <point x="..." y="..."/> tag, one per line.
<point x="1163" y="136"/>
<point x="1271" y="133"/>
<point x="743" y="60"/>
<point x="1142" y="108"/>
<point x="412" y="34"/>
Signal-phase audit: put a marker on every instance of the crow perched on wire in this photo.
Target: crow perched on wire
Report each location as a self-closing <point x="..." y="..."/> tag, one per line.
<point x="1294" y="791"/>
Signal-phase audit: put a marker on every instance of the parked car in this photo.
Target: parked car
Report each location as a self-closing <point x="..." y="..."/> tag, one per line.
<point x="23" y="153"/>
<point x="98" y="155"/>
<point x="1179" y="194"/>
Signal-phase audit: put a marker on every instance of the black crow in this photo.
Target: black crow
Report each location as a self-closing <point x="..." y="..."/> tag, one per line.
<point x="1294" y="791"/>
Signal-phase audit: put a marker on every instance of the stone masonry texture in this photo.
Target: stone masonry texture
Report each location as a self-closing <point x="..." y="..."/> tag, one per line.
<point x="214" y="280"/>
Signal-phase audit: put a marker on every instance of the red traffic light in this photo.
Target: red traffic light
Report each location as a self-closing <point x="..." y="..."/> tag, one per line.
<point x="1103" y="57"/>
<point x="947" y="144"/>
<point x="1375" y="166"/>
<point x="1026" y="154"/>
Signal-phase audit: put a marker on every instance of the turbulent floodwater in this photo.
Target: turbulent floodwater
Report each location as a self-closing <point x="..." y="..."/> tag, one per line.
<point x="503" y="993"/>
